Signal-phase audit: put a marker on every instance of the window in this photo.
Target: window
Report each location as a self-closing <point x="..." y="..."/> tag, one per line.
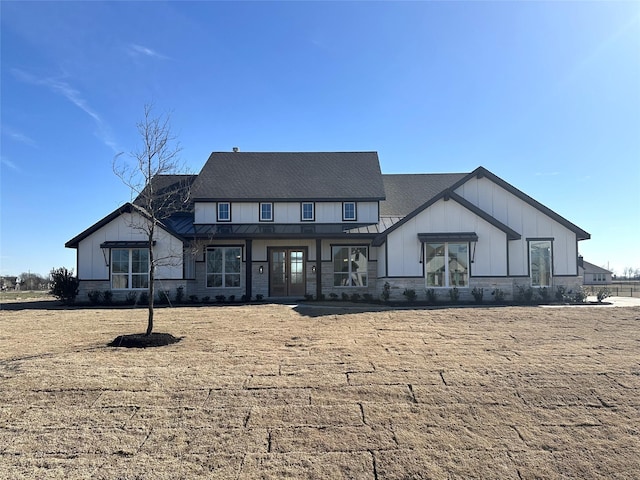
<point x="540" y="262"/>
<point x="223" y="267"/>
<point x="224" y="212"/>
<point x="266" y="212"/>
<point x="129" y="268"/>
<point x="349" y="266"/>
<point x="447" y="264"/>
<point x="308" y="213"/>
<point x="349" y="211"/>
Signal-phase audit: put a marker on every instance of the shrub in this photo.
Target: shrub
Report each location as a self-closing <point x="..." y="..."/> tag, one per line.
<point x="206" y="299"/>
<point x="561" y="291"/>
<point x="498" y="295"/>
<point x="163" y="297"/>
<point x="232" y="298"/>
<point x="454" y="295"/>
<point x="322" y="297"/>
<point x="131" y="298"/>
<point x="345" y="297"/>
<point x="64" y="286"/>
<point x="259" y="297"/>
<point x="179" y="294"/>
<point x="308" y="297"/>
<point x="410" y="294"/>
<point x="107" y="297"/>
<point x="524" y="295"/>
<point x="580" y="295"/>
<point x="367" y="297"/>
<point x="193" y="298"/>
<point x="544" y="294"/>
<point x="220" y="298"/>
<point x="143" y="299"/>
<point x="94" y="297"/>
<point x="355" y="297"/>
<point x="244" y="298"/>
<point x="602" y="293"/>
<point x="333" y="296"/>
<point x="386" y="292"/>
<point x="477" y="293"/>
<point x="432" y="298"/>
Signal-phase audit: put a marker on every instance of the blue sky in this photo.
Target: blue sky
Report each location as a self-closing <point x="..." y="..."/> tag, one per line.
<point x="546" y="95"/>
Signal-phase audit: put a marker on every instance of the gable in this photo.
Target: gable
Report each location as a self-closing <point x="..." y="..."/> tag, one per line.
<point x="291" y="176"/>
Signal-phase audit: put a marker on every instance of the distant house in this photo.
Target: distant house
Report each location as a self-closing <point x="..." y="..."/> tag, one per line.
<point x="594" y="275"/>
<point x="293" y="224"/>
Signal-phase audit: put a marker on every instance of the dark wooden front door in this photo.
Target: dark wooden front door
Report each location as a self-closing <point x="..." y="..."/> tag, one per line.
<point x="286" y="272"/>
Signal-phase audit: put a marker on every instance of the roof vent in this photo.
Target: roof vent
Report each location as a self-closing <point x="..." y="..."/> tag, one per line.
<point x="236" y="149"/>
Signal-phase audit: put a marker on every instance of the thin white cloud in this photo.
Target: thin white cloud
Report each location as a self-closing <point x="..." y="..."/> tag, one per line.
<point x="8" y="163"/>
<point x="18" y="136"/>
<point x="136" y="50"/>
<point x="67" y="91"/>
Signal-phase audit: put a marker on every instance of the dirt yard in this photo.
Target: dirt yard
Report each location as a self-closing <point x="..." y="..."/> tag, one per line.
<point x="272" y="391"/>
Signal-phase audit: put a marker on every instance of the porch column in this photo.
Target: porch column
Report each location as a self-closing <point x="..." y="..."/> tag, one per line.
<point x="318" y="268"/>
<point x="249" y="268"/>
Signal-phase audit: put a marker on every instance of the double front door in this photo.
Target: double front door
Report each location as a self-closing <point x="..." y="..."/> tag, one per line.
<point x="286" y="272"/>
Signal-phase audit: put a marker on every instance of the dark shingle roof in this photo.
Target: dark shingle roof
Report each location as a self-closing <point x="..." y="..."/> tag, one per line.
<point x="254" y="176"/>
<point x="406" y="192"/>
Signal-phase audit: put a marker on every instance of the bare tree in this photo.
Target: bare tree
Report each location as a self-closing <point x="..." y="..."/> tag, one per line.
<point x="156" y="188"/>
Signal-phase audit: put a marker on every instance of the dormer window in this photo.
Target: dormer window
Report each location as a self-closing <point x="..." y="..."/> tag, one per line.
<point x="224" y="212"/>
<point x="349" y="211"/>
<point x="266" y="212"/>
<point x="307" y="212"/>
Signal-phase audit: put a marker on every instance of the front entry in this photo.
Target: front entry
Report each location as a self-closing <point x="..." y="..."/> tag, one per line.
<point x="286" y="272"/>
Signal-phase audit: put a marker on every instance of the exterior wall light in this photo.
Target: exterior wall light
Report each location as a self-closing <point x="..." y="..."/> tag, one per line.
<point x="261" y="269"/>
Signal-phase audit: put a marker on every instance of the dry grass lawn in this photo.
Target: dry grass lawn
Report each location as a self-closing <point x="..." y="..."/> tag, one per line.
<point x="270" y="391"/>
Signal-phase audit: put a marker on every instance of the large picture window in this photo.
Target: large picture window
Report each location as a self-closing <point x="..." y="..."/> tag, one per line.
<point x="129" y="268"/>
<point x="223" y="267"/>
<point x="350" y="266"/>
<point x="447" y="264"/>
<point x="540" y="258"/>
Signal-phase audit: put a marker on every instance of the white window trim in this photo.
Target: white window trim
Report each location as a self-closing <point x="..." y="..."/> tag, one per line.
<point x="263" y="219"/>
<point x="224" y="272"/>
<point x="344" y="212"/>
<point x="550" y="241"/>
<point x="446" y="265"/>
<point x="350" y="273"/>
<point x="129" y="273"/>
<point x="313" y="212"/>
<point x="218" y="216"/>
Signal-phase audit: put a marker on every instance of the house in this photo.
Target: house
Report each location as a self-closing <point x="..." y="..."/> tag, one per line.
<point x="594" y="275"/>
<point x="290" y="224"/>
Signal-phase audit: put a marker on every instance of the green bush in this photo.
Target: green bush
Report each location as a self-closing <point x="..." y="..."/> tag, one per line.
<point x="107" y="297"/>
<point x="561" y="292"/>
<point x="345" y="297"/>
<point x="386" y="292"/>
<point x="179" y="294"/>
<point x="64" y="286"/>
<point x="131" y="298"/>
<point x="544" y="294"/>
<point x="410" y="294"/>
<point x="498" y="295"/>
<point x="259" y="297"/>
<point x="163" y="297"/>
<point x="143" y="299"/>
<point x="454" y="295"/>
<point x="367" y="297"/>
<point x="580" y="295"/>
<point x="602" y="293"/>
<point x="94" y="297"/>
<point x="432" y="298"/>
<point x="477" y="293"/>
<point x="333" y="296"/>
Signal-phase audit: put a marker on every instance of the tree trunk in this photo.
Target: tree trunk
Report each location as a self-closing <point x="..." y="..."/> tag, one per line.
<point x="152" y="274"/>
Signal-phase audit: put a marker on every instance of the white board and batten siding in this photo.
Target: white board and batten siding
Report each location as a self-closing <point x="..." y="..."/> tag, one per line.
<point x="526" y="220"/>
<point x="404" y="249"/>
<point x="91" y="261"/>
<point x="285" y="212"/>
